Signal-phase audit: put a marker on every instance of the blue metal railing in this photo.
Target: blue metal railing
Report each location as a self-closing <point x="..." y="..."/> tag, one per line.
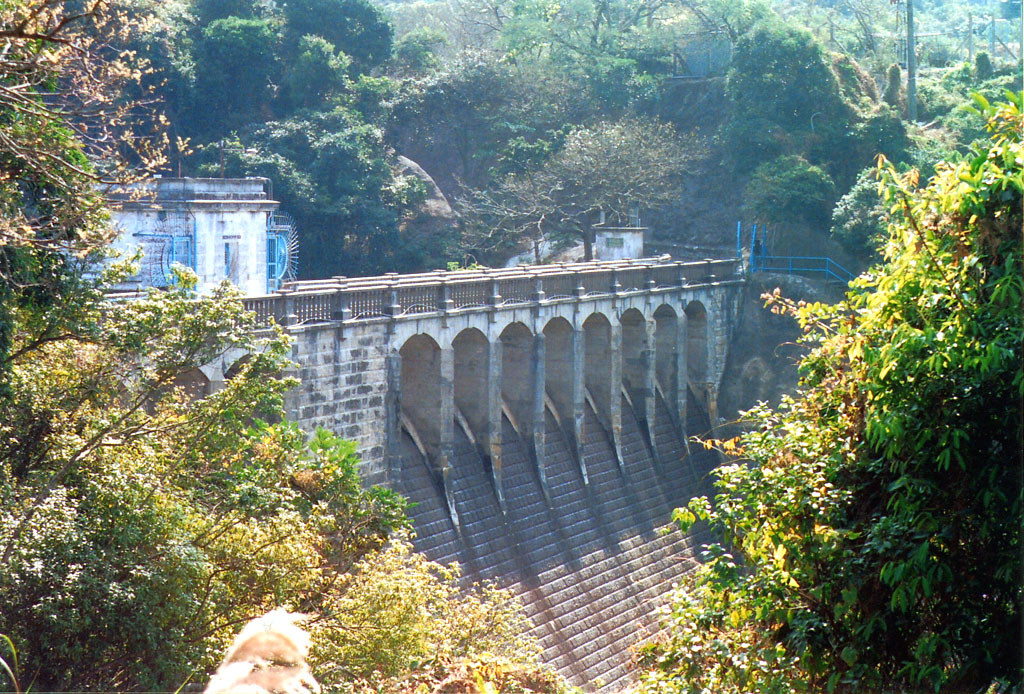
<point x="762" y="261"/>
<point x="793" y="264"/>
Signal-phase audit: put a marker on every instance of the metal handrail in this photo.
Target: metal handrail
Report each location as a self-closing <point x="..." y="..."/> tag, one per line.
<point x="791" y="264"/>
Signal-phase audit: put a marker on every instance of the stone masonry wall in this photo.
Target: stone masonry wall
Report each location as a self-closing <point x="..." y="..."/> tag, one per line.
<point x="344" y="388"/>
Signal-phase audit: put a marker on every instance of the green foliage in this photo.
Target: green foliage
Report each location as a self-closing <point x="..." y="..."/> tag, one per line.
<point x="860" y="218"/>
<point x="329" y="171"/>
<point x="779" y="81"/>
<point x="893" y="87"/>
<point x="790" y="190"/>
<point x="417" y="50"/>
<point x="983" y="66"/>
<point x="355" y="27"/>
<point x="63" y="78"/>
<point x="318" y="74"/>
<point x="396" y="610"/>
<point x="874" y="525"/>
<point x="235" y="63"/>
<point x="208" y="11"/>
<point x="459" y="122"/>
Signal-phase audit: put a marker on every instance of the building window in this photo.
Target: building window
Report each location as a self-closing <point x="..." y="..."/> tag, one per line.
<point x="231" y="261"/>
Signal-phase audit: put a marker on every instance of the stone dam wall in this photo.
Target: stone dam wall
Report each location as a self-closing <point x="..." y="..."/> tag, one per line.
<point x="537" y="417"/>
<point x="591" y="565"/>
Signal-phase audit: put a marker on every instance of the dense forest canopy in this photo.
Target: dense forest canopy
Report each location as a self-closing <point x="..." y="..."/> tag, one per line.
<point x="325" y="96"/>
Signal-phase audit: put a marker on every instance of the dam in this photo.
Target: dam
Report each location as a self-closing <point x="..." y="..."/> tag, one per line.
<point x="538" y="418"/>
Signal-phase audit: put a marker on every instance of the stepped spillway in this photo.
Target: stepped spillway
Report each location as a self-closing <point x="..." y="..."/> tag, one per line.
<point x="589" y="564"/>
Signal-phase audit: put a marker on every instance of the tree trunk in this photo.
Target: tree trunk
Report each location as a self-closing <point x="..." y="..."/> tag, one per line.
<point x="588" y="245"/>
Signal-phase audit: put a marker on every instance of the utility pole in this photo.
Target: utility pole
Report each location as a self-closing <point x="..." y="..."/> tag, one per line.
<point x="970" y="37"/>
<point x="911" y="65"/>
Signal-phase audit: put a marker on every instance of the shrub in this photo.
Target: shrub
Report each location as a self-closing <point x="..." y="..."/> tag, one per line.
<point x="872" y="525"/>
<point x="790" y="190"/>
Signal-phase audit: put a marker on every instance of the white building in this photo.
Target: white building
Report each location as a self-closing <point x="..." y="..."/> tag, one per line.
<point x="618" y="243"/>
<point x="222" y="228"/>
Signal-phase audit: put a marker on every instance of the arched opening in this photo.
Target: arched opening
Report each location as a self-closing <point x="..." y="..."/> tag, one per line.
<point x="237" y="366"/>
<point x="696" y="345"/>
<point x="517" y="374"/>
<point x="471" y="378"/>
<point x="421" y="389"/>
<point x="666" y="352"/>
<point x="558" y="364"/>
<point x="597" y="355"/>
<point x="193" y="383"/>
<point x="634" y="358"/>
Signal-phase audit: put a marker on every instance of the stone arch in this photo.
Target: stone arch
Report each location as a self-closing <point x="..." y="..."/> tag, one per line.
<point x="517" y="370"/>
<point x="420" y="389"/>
<point x="558" y="364"/>
<point x="194" y="383"/>
<point x="666" y="351"/>
<point x="597" y="361"/>
<point x="697" y="345"/>
<point x="472" y="376"/>
<point x="236" y="366"/>
<point x="635" y="351"/>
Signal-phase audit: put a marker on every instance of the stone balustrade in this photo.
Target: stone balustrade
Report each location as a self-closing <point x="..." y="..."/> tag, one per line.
<point x="391" y="296"/>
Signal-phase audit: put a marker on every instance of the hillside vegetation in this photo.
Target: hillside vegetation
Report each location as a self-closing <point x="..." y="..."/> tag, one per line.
<point x="775" y="111"/>
<point x="871" y="533"/>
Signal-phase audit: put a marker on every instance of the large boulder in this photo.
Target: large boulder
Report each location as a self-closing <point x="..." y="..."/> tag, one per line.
<point x="433" y="214"/>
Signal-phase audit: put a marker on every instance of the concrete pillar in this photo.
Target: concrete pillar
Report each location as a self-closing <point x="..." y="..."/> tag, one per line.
<point x="638" y="369"/>
<point x="578" y="401"/>
<point x="615" y="394"/>
<point x="446" y="424"/>
<point x="650" y="378"/>
<point x="536" y="427"/>
<point x="682" y="377"/>
<point x="603" y="374"/>
<point x="393" y="421"/>
<point x="563" y="382"/>
<point x="491" y="436"/>
<point x="712" y="403"/>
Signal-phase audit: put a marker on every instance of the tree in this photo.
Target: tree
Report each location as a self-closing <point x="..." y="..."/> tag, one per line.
<point x="317" y="75"/>
<point x="785" y="99"/>
<point x="61" y="110"/>
<point x="872" y="525"/>
<point x="609" y="169"/>
<point x="355" y="27"/>
<point x="860" y="217"/>
<point x="331" y="172"/>
<point x="790" y="190"/>
<point x="209" y="11"/>
<point x="235" y="64"/>
<point x="893" y="94"/>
